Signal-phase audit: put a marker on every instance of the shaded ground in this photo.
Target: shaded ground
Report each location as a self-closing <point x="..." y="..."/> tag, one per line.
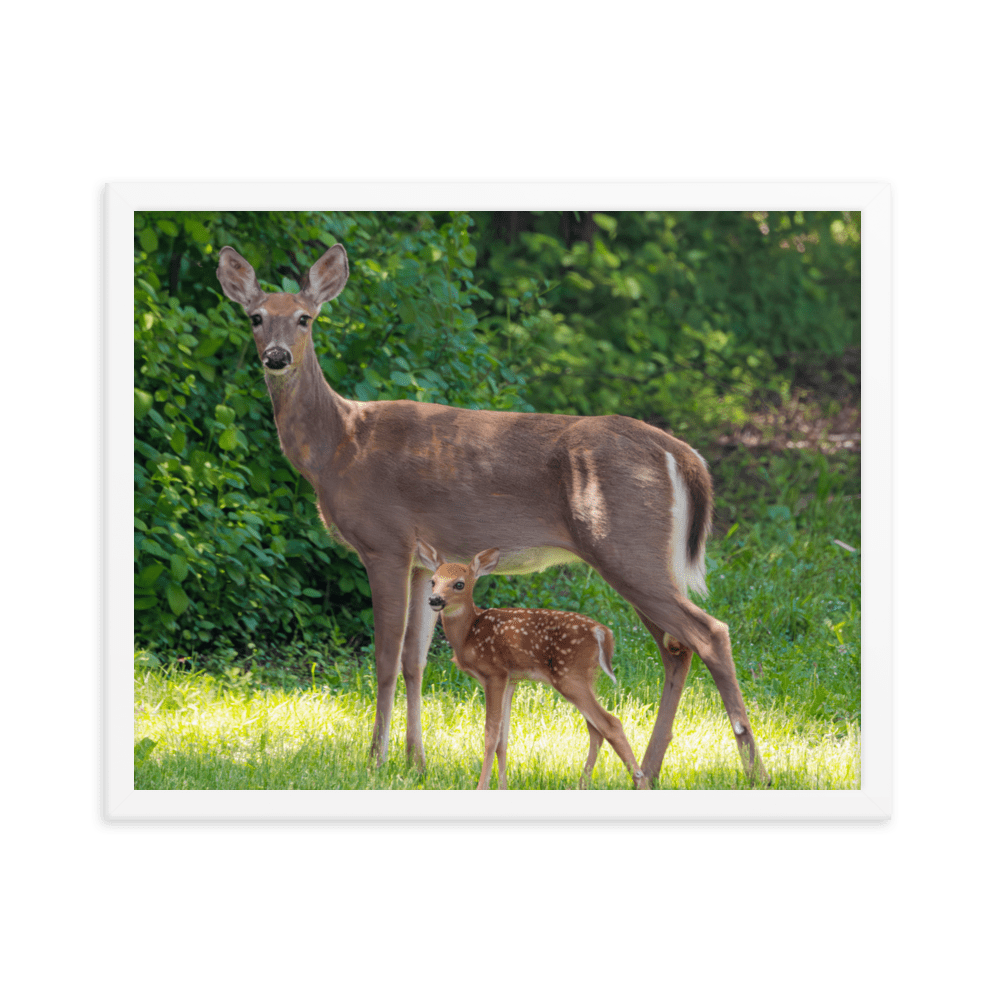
<point x="791" y="449"/>
<point x="823" y="413"/>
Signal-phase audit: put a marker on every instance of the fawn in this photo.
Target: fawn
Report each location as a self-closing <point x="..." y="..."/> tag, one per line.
<point x="500" y="646"/>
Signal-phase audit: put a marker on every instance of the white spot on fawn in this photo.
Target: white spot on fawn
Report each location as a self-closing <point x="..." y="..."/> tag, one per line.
<point x="737" y="728"/>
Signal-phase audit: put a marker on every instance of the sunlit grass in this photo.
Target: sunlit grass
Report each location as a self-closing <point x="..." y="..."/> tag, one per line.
<point x="195" y="731"/>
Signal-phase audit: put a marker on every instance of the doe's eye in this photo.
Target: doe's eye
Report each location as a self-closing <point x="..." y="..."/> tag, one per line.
<point x="256" y="319"/>
<point x="303" y="321"/>
<point x="460" y="585"/>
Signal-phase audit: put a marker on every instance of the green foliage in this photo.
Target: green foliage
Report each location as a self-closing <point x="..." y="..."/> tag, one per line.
<point x="228" y="545"/>
<point x="680" y="318"/>
<point x="677" y="317"/>
<point x="750" y="487"/>
<point x="791" y="596"/>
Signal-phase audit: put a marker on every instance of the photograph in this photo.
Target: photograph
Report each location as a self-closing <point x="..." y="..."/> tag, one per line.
<point x="390" y="463"/>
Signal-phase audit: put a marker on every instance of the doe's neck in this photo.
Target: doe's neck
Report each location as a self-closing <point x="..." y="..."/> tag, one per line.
<point x="310" y="417"/>
<point x="302" y="386"/>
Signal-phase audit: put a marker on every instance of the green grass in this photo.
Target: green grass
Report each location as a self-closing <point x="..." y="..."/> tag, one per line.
<point x="200" y="731"/>
<point x="301" y="718"/>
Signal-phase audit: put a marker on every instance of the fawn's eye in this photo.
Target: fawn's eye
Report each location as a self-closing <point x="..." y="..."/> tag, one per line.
<point x="256" y="319"/>
<point x="303" y="321"/>
<point x="460" y="585"/>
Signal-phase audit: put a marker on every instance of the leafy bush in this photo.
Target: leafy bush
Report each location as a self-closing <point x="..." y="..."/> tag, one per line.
<point x="228" y="545"/>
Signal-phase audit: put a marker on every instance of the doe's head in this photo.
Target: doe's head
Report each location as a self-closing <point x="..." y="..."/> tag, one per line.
<point x="282" y="323"/>
<point x="452" y="583"/>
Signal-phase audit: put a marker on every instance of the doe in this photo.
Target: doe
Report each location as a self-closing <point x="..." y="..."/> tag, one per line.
<point x="500" y="646"/>
<point x="618" y="494"/>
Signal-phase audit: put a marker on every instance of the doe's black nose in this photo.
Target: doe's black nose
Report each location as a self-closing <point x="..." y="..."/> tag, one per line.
<point x="277" y="357"/>
<point x="436" y="602"/>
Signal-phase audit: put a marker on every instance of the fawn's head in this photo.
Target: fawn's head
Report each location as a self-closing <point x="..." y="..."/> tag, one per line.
<point x="452" y="583"/>
<point x="282" y="323"/>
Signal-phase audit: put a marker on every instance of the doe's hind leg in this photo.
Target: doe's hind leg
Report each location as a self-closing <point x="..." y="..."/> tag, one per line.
<point x="694" y="629"/>
<point x="676" y="659"/>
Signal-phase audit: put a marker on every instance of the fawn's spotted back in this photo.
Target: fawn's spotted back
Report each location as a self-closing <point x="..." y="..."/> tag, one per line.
<point x="537" y="640"/>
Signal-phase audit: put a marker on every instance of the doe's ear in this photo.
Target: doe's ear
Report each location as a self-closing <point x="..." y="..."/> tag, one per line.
<point x="238" y="279"/>
<point x="485" y="562"/>
<point x="427" y="554"/>
<point x="325" y="280"/>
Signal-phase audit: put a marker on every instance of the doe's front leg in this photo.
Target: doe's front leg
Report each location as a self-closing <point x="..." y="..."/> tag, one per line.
<point x="390" y="583"/>
<point x="417" y="639"/>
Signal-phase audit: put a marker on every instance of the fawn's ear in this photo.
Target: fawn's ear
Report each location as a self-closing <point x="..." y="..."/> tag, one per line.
<point x="238" y="279"/>
<point x="325" y="280"/>
<point x="485" y="562"/>
<point x="427" y="554"/>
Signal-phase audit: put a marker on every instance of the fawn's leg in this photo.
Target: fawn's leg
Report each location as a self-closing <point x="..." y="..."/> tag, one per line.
<point x="577" y="689"/>
<point x="596" y="739"/>
<point x="508" y="697"/>
<point x="494" y="688"/>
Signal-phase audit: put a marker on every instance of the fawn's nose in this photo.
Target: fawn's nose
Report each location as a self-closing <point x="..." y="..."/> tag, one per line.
<point x="436" y="602"/>
<point x="277" y="357"/>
